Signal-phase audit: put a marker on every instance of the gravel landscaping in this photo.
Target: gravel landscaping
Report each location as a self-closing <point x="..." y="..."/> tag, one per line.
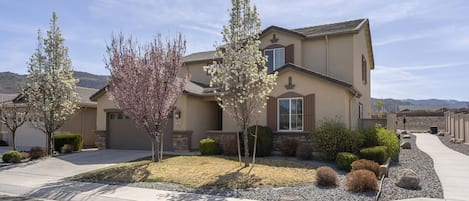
<point x="461" y="148"/>
<point x="419" y="162"/>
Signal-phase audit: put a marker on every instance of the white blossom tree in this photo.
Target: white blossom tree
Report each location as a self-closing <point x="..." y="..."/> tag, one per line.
<point x="241" y="77"/>
<point x="51" y="90"/>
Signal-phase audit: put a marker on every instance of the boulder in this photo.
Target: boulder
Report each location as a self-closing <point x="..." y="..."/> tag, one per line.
<point x="406" y="145"/>
<point x="404" y="132"/>
<point x="452" y="140"/>
<point x="408" y="179"/>
<point x="406" y="137"/>
<point x="441" y="134"/>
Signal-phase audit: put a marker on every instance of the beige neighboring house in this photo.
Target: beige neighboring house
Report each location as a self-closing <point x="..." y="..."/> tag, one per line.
<point x="323" y="72"/>
<point x="82" y="122"/>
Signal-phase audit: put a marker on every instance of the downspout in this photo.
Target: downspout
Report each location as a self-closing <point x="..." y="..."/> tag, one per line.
<point x="327" y="54"/>
<point x="355" y="95"/>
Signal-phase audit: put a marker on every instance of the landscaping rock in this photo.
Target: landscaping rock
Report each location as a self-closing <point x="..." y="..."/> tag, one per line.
<point x="406" y="145"/>
<point x="384" y="170"/>
<point x="441" y="134"/>
<point x="406" y="137"/>
<point x="408" y="179"/>
<point x="404" y="132"/>
<point x="452" y="140"/>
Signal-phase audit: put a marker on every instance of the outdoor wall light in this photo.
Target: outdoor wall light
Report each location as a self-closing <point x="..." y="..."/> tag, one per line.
<point x="177" y="114"/>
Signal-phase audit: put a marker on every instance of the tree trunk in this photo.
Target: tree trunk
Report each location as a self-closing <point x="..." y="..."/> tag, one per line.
<point x="246" y="147"/>
<point x="49" y="144"/>
<point x="155" y="146"/>
<point x="13" y="141"/>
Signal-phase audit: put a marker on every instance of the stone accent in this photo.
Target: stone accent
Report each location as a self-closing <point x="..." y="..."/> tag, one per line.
<point x="222" y="137"/>
<point x="408" y="179"/>
<point x="181" y="141"/>
<point x="300" y="137"/>
<point x="100" y="139"/>
<point x="406" y="145"/>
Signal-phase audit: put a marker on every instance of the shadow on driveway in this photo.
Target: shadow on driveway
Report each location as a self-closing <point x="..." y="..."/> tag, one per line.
<point x="107" y="156"/>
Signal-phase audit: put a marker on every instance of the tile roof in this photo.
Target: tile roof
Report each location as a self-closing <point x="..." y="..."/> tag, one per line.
<point x="200" y="56"/>
<point x="340" y="27"/>
<point x="83" y="95"/>
<point x="7" y="97"/>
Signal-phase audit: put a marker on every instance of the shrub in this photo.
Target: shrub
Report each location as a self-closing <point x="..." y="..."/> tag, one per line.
<point x="344" y="159"/>
<point x="361" y="181"/>
<point x="288" y="146"/>
<point x="265" y="139"/>
<point x="67" y="148"/>
<point x="3" y="143"/>
<point x="75" y="140"/>
<point x="364" y="164"/>
<point x="303" y="151"/>
<point x="389" y="139"/>
<point x="333" y="137"/>
<point x="377" y="154"/>
<point x="37" y="152"/>
<point x="209" y="146"/>
<point x="11" y="157"/>
<point x="326" y="176"/>
<point x="370" y="137"/>
<point x="230" y="147"/>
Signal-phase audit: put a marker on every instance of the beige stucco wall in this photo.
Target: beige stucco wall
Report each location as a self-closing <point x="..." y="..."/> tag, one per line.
<point x="341" y="57"/>
<point x="314" y="54"/>
<point x="360" y="48"/>
<point x="197" y="72"/>
<point x="466" y="130"/>
<point x="284" y="39"/>
<point x="201" y="116"/>
<point x="83" y="122"/>
<point x="103" y="103"/>
<point x="229" y="124"/>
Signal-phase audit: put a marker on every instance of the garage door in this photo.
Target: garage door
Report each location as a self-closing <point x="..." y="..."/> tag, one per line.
<point x="123" y="133"/>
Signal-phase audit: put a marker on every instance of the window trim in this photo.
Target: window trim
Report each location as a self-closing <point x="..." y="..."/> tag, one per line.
<point x="289" y="114"/>
<point x="273" y="56"/>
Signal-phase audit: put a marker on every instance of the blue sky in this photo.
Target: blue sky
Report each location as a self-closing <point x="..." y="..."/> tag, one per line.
<point x="421" y="48"/>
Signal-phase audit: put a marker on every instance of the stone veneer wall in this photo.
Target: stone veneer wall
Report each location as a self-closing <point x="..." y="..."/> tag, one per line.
<point x="181" y="141"/>
<point x="100" y="139"/>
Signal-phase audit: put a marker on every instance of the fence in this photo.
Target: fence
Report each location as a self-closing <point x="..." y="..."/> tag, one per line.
<point x="389" y="122"/>
<point x="457" y="124"/>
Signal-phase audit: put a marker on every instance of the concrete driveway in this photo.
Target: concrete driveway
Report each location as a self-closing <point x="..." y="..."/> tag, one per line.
<point x="22" y="178"/>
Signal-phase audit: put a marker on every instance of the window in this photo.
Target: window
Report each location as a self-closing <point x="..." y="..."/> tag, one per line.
<point x="360" y="111"/>
<point x="364" y="70"/>
<point x="290" y="114"/>
<point x="275" y="58"/>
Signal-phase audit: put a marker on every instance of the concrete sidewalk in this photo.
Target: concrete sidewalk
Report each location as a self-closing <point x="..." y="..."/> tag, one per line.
<point x="451" y="167"/>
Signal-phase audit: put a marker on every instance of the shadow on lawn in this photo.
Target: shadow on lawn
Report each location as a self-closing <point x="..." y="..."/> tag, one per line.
<point x="234" y="180"/>
<point x="125" y="174"/>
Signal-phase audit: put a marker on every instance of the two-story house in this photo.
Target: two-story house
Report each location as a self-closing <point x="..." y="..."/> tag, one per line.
<point x="323" y="72"/>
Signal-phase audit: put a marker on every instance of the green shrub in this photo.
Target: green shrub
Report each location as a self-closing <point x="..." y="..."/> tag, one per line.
<point x="11" y="157"/>
<point x="326" y="176"/>
<point x="265" y="139"/>
<point x="74" y="140"/>
<point x="288" y="146"/>
<point x="67" y="148"/>
<point x="344" y="160"/>
<point x="209" y="146"/>
<point x="37" y="152"/>
<point x="333" y="137"/>
<point x="361" y="181"/>
<point x="364" y="164"/>
<point x="377" y="154"/>
<point x="370" y="137"/>
<point x="303" y="151"/>
<point x="389" y="139"/>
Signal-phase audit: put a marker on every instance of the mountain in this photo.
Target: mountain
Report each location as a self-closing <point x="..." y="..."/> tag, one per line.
<point x="396" y="105"/>
<point x="9" y="82"/>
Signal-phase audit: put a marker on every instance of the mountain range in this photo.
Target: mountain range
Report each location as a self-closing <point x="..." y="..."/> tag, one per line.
<point x="9" y="83"/>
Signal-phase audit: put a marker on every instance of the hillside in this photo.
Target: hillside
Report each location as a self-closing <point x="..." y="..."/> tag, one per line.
<point x="9" y="82"/>
<point x="396" y="105"/>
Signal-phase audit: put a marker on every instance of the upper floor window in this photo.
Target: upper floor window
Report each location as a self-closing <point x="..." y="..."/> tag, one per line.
<point x="364" y="70"/>
<point x="290" y="113"/>
<point x="275" y="58"/>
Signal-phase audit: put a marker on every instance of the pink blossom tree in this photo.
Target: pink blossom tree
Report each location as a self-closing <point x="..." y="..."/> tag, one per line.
<point x="144" y="82"/>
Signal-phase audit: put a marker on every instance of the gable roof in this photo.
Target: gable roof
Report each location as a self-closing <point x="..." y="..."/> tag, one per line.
<point x="200" y="56"/>
<point x="320" y="76"/>
<point x="83" y="95"/>
<point x="329" y="29"/>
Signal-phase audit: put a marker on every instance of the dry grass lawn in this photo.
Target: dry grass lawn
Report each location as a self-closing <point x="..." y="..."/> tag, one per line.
<point x="208" y="172"/>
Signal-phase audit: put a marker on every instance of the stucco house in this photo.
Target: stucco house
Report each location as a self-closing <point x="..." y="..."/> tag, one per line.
<point x="323" y="72"/>
<point x="82" y="122"/>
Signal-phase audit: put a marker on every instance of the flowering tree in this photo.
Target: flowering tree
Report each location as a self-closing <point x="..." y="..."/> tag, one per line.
<point x="13" y="116"/>
<point x="241" y="76"/>
<point x="144" y="82"/>
<point x="51" y="90"/>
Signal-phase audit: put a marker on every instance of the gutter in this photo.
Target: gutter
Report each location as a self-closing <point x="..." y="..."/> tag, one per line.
<point x="355" y="96"/>
<point x="327" y="54"/>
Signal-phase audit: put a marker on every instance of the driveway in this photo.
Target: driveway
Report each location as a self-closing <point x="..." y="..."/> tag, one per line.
<point x="23" y="178"/>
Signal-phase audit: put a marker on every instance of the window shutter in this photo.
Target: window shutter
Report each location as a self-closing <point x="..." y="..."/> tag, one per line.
<point x="289" y="54"/>
<point x="309" y="119"/>
<point x="272" y="113"/>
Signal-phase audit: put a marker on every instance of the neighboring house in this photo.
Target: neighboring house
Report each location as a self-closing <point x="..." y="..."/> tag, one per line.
<point x="323" y="72"/>
<point x="82" y="122"/>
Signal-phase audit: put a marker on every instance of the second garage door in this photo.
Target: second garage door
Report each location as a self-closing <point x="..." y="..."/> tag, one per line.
<point x="123" y="134"/>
